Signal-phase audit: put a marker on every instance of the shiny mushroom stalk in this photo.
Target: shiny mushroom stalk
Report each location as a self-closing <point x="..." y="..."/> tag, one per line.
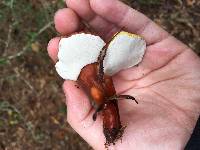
<point x="87" y="59"/>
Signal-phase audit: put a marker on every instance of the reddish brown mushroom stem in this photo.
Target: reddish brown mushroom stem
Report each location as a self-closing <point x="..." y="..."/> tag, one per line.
<point x="112" y="127"/>
<point x="99" y="94"/>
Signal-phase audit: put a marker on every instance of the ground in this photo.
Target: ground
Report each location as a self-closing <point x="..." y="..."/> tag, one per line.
<point x="32" y="111"/>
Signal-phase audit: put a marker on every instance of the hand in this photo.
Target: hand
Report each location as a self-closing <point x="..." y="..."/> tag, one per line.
<point x="166" y="83"/>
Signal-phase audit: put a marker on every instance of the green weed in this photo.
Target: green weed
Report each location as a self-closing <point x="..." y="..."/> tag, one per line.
<point x="63" y="109"/>
<point x="3" y="61"/>
<point x="8" y="3"/>
<point x="9" y="114"/>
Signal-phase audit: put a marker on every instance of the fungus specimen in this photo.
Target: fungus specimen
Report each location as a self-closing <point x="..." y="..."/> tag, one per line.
<point x="87" y="59"/>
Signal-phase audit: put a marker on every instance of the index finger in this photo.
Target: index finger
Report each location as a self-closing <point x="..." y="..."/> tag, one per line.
<point x="133" y="21"/>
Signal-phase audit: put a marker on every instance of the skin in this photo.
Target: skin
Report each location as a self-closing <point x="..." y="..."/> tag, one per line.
<point x="166" y="83"/>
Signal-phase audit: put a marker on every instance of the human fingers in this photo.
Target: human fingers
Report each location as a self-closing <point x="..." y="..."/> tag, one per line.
<point x="66" y="21"/>
<point x="108" y="16"/>
<point x="102" y="27"/>
<point x="79" y="115"/>
<point x="52" y="48"/>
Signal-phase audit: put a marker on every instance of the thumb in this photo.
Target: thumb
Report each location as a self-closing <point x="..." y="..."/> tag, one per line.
<point x="79" y="115"/>
<point x="78" y="105"/>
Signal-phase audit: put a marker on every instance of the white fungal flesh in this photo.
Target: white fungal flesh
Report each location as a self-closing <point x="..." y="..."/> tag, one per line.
<point x="125" y="50"/>
<point x="75" y="52"/>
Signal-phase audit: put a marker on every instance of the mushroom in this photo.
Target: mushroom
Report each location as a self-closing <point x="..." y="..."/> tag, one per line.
<point x="78" y="50"/>
<point x="87" y="59"/>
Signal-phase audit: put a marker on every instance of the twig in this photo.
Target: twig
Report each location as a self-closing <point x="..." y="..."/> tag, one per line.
<point x="44" y="28"/>
<point x="2" y="41"/>
<point x="8" y="40"/>
<point x="27" y="83"/>
<point x="11" y="4"/>
<point x="180" y="2"/>
<point x="24" y="80"/>
<point x="24" y="49"/>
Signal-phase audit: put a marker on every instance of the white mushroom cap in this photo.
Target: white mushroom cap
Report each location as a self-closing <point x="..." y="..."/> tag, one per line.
<point x="75" y="52"/>
<point x="125" y="50"/>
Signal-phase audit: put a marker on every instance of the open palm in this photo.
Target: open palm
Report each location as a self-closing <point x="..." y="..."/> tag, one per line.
<point x="166" y="83"/>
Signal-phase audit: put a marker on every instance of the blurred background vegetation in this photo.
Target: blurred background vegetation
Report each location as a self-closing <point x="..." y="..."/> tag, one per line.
<point x="32" y="109"/>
